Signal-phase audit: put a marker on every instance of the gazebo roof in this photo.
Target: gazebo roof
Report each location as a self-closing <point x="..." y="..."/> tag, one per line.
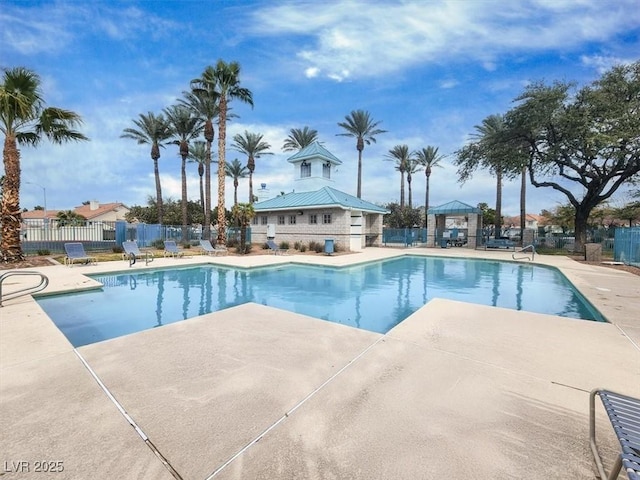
<point x="453" y="208"/>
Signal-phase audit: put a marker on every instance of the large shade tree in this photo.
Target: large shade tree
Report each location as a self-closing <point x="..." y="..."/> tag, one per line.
<point x="360" y="125"/>
<point x="583" y="143"/>
<point x="185" y="128"/>
<point x="25" y="120"/>
<point x="154" y="130"/>
<point x="227" y="84"/>
<point x="428" y="158"/>
<point x="252" y="145"/>
<point x="203" y="99"/>
<point x="299" y="138"/>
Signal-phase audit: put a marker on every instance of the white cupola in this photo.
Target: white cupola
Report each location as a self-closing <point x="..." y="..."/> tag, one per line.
<point x="314" y="167"/>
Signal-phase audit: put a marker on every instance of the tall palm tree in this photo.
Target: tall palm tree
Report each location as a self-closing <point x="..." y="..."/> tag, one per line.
<point x="253" y="147"/>
<point x="299" y="138"/>
<point x="428" y="158"/>
<point x="400" y="154"/>
<point x="412" y="168"/>
<point x="203" y="99"/>
<point x="185" y="127"/>
<point x="489" y="133"/>
<point x="236" y="171"/>
<point x="227" y="81"/>
<point x="25" y="120"/>
<point x="359" y="124"/>
<point x="151" y="130"/>
<point x="198" y="154"/>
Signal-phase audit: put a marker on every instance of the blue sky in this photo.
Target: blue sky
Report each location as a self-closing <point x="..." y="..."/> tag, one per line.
<point x="428" y="70"/>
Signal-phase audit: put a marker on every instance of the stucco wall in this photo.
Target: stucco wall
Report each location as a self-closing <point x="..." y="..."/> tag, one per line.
<point x="303" y="231"/>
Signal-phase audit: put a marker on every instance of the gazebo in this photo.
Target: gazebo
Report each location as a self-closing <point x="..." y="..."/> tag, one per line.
<point x="437" y="216"/>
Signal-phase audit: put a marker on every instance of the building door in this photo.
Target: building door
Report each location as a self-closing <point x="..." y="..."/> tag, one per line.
<point x="355" y="244"/>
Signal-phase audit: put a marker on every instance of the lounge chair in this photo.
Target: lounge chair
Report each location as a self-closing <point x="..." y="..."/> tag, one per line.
<point x="171" y="249"/>
<point x="75" y="253"/>
<point x="275" y="249"/>
<point x="208" y="249"/>
<point x="132" y="252"/>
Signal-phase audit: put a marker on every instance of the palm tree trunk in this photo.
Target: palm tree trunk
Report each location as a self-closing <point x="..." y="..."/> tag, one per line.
<point x="235" y="192"/>
<point x="202" y="193"/>
<point x="409" y="185"/>
<point x="426" y="202"/>
<point x="250" y="187"/>
<point x="222" y="136"/>
<point x="498" y="220"/>
<point x="159" y="206"/>
<point x="206" y="233"/>
<point x="523" y="203"/>
<point x="10" y="218"/>
<point x="183" y="203"/>
<point x="401" y="189"/>
<point x="359" y="173"/>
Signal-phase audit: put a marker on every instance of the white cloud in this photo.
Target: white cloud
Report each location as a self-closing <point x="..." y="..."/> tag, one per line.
<point x="361" y="39"/>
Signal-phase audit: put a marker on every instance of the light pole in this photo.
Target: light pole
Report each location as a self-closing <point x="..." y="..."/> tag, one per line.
<point x="45" y="221"/>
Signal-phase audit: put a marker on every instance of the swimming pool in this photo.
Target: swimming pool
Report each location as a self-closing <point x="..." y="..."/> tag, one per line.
<point x="374" y="296"/>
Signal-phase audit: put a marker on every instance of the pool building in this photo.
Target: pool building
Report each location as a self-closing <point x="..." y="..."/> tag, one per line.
<point x="314" y="210"/>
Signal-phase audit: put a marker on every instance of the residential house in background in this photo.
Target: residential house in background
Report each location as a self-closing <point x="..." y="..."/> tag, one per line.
<point x="39" y="225"/>
<point x="315" y="211"/>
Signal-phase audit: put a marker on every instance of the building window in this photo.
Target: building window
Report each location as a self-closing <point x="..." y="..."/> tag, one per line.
<point x="292" y="219"/>
<point x="280" y="219"/>
<point x="326" y="170"/>
<point x="313" y="219"/>
<point x="326" y="218"/>
<point x="305" y="170"/>
<point x="263" y="220"/>
<point x="254" y="221"/>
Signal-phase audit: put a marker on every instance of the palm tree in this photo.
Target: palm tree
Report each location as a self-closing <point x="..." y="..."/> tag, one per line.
<point x="185" y="127"/>
<point x="203" y="99"/>
<point x="236" y="171"/>
<point x="359" y="124"/>
<point x="412" y="168"/>
<point x="253" y="147"/>
<point x="69" y="218"/>
<point x="151" y="130"/>
<point x="428" y="158"/>
<point x="198" y="154"/>
<point x="227" y="82"/>
<point x="299" y="138"/>
<point x="400" y="154"/>
<point x="25" y="120"/>
<point x="489" y="133"/>
<point x="243" y="213"/>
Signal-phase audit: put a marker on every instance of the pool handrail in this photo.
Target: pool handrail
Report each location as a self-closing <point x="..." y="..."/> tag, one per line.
<point x="44" y="281"/>
<point x="524" y="250"/>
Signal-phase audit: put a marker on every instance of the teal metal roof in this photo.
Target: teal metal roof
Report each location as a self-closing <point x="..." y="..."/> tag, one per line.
<point x="315" y="150"/>
<point x="325" y="197"/>
<point x="453" y="208"/>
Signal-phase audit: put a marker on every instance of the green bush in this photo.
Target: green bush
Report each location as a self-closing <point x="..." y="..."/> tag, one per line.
<point x="313" y="246"/>
<point x="117" y="249"/>
<point x="319" y="248"/>
<point x="43" y="252"/>
<point x="297" y="245"/>
<point x="303" y="247"/>
<point x="158" y="244"/>
<point x="284" y="245"/>
<point x="186" y="245"/>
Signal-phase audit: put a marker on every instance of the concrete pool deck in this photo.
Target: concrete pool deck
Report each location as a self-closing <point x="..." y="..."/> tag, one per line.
<point x="455" y="391"/>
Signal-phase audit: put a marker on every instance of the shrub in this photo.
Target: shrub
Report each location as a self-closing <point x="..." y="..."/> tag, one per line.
<point x="247" y="249"/>
<point x="186" y="245"/>
<point x="336" y="247"/>
<point x="319" y="248"/>
<point x="117" y="249"/>
<point x="158" y="244"/>
<point x="265" y="246"/>
<point x="303" y="247"/>
<point x="45" y="252"/>
<point x="297" y="245"/>
<point x="313" y="246"/>
<point x="284" y="245"/>
<point x="233" y="242"/>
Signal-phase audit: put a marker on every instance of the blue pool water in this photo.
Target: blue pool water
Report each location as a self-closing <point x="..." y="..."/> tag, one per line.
<point x="375" y="296"/>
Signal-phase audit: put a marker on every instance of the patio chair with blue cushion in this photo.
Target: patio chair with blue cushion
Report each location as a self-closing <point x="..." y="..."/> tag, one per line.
<point x="171" y="249"/>
<point x="209" y="249"/>
<point x="132" y="252"/>
<point x="275" y="249"/>
<point x="75" y="253"/>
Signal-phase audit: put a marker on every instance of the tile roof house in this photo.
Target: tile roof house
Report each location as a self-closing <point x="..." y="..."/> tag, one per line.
<point x="93" y="211"/>
<point x="315" y="211"/>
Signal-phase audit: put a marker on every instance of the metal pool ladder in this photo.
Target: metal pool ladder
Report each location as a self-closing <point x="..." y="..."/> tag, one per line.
<point x="528" y="249"/>
<point x="44" y="281"/>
